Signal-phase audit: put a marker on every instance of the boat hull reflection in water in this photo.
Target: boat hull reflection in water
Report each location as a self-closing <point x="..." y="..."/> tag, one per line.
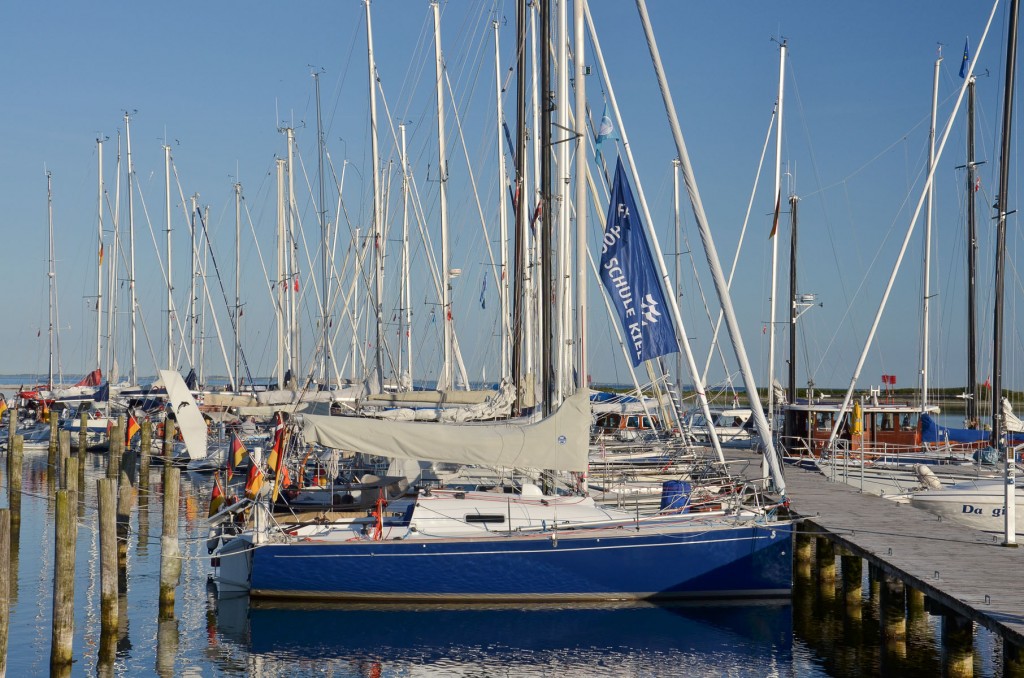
<point x="629" y="638"/>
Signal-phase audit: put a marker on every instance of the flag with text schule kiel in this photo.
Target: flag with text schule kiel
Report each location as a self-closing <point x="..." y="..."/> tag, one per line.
<point x="629" y="275"/>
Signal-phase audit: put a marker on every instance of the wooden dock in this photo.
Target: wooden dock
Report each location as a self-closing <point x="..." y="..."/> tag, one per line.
<point x="968" y="571"/>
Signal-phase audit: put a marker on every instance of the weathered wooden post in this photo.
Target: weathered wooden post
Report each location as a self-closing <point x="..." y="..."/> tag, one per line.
<point x="69" y="481"/>
<point x="14" y="487"/>
<point x="853" y="577"/>
<point x="114" y="459"/>
<point x="12" y="429"/>
<point x="63" y="451"/>
<point x="63" y="583"/>
<point x="83" y="433"/>
<point x="957" y="645"/>
<point x="51" y="449"/>
<point x="802" y="552"/>
<point x="106" y="492"/>
<point x="124" y="511"/>
<point x="825" y="552"/>
<point x="168" y="452"/>
<point x="170" y="560"/>
<point x="5" y="585"/>
<point x="145" y="450"/>
<point x="894" y="616"/>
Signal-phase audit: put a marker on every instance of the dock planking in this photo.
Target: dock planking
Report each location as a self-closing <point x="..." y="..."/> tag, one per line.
<point x="966" y="570"/>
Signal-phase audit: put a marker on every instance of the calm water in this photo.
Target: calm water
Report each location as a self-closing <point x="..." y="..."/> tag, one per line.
<point x="808" y="636"/>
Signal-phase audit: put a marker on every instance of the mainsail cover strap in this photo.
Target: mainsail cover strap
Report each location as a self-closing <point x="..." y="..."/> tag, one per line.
<point x="559" y="442"/>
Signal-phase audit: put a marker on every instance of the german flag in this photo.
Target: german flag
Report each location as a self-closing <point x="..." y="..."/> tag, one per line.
<point x="216" y="496"/>
<point x="276" y="455"/>
<point x="254" y="482"/>
<point x="238" y="455"/>
<point x="132" y="429"/>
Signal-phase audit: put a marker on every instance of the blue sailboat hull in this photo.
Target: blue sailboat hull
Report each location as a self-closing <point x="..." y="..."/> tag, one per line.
<point x="739" y="561"/>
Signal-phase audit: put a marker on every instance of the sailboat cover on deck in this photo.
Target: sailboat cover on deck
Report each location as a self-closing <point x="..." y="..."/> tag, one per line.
<point x="559" y="442"/>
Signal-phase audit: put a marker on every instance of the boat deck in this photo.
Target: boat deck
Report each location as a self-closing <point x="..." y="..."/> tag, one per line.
<point x="966" y="570"/>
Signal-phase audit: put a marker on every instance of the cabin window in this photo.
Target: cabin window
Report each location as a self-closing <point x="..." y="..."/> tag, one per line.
<point x="888" y="422"/>
<point x="633" y="422"/>
<point x="908" y="423"/>
<point x="647" y="423"/>
<point x="823" y="421"/>
<point x="485" y="518"/>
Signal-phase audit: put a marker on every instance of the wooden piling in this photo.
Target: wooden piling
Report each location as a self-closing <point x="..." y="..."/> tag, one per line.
<point x="5" y="585"/>
<point x="14" y="487"/>
<point x="63" y="451"/>
<point x="124" y="511"/>
<point x="51" y="448"/>
<point x="894" y="616"/>
<point x="168" y="451"/>
<point x="802" y="552"/>
<point x="957" y="645"/>
<point x="69" y="481"/>
<point x="145" y="450"/>
<point x="170" y="560"/>
<point x="853" y="577"/>
<point x="63" y="583"/>
<point x="83" y="433"/>
<point x="825" y="555"/>
<point x="114" y="458"/>
<point x="12" y="428"/>
<point x="106" y="492"/>
<point x="1013" y="659"/>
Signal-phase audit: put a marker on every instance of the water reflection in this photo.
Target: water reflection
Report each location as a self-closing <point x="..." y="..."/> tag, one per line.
<point x="576" y="640"/>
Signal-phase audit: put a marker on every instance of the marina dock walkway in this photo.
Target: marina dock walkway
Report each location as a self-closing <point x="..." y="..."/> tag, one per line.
<point x="966" y="570"/>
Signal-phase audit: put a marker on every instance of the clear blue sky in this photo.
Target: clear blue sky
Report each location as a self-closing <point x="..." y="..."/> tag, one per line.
<point x="216" y="80"/>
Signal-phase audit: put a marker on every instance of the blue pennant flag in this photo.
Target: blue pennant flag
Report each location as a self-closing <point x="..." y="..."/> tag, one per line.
<point x="605" y="131"/>
<point x="966" y="63"/>
<point x="629" y="275"/>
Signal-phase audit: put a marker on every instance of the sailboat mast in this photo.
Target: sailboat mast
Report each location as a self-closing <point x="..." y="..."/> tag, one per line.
<point x="325" y="240"/>
<point x="99" y="268"/>
<point x="972" y="267"/>
<point x="378" y="227"/>
<point x="519" y="251"/>
<point x="51" y="275"/>
<point x="293" y="269"/>
<point x="1010" y="536"/>
<point x="406" y="284"/>
<point x="448" y="379"/>
<point x="170" y="278"/>
<point x="793" y="311"/>
<point x="506" y="338"/>
<point x="563" y="292"/>
<point x="279" y="287"/>
<point x="115" y="247"/>
<point x="131" y="246"/>
<point x="192" y="320"/>
<point x="581" y="196"/>
<point x="546" y="237"/>
<point x="772" y="291"/>
<point x="238" y="287"/>
<point x="926" y="301"/>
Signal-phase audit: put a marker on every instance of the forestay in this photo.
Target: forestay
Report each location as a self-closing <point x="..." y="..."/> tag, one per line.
<point x="559" y="442"/>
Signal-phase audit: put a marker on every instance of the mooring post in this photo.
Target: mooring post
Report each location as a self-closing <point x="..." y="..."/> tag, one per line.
<point x="12" y="430"/>
<point x="1013" y="659"/>
<point x="106" y="492"/>
<point x="145" y="450"/>
<point x="802" y="551"/>
<point x="124" y="511"/>
<point x="170" y="560"/>
<point x="51" y="448"/>
<point x="5" y="585"/>
<point x="825" y="555"/>
<point x="957" y="645"/>
<point x="83" y="433"/>
<point x="69" y="481"/>
<point x="853" y="588"/>
<point x="114" y="458"/>
<point x="14" y="488"/>
<point x="63" y="583"/>
<point x="168" y="451"/>
<point x="894" y="616"/>
<point x="63" y="451"/>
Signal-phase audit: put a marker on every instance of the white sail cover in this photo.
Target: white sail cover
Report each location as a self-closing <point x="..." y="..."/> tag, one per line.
<point x="559" y="442"/>
<point x="189" y="419"/>
<point x="1011" y="421"/>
